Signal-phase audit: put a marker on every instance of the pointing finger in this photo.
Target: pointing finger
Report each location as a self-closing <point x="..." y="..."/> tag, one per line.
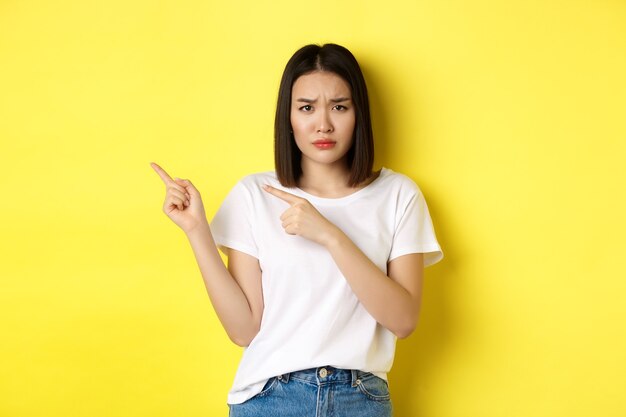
<point x="283" y="195"/>
<point x="164" y="176"/>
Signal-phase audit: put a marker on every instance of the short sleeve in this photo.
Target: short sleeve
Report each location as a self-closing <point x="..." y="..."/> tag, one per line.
<point x="415" y="232"/>
<point x="231" y="226"/>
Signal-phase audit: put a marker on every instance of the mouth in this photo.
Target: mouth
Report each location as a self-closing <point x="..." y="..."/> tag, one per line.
<point x="324" y="143"/>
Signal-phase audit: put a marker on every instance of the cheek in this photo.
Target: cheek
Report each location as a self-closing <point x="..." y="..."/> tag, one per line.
<point x="297" y="129"/>
<point x="296" y="123"/>
<point x="349" y="126"/>
<point x="300" y="125"/>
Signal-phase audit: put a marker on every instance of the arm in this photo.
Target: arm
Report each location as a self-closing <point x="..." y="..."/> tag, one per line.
<point x="234" y="292"/>
<point x="393" y="300"/>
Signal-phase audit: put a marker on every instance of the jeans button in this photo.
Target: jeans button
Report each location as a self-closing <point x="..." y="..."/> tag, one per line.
<point x="323" y="373"/>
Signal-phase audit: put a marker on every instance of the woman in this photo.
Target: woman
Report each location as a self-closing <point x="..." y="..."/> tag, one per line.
<point x="325" y="256"/>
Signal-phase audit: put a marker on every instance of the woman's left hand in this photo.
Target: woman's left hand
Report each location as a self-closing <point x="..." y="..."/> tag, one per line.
<point x="302" y="219"/>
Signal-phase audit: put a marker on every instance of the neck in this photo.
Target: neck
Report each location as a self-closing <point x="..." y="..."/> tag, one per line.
<point x="324" y="180"/>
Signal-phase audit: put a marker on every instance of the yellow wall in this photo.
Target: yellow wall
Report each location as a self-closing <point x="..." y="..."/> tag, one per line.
<point x="510" y="115"/>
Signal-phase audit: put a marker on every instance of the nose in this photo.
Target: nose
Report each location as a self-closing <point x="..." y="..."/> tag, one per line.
<point x="325" y="124"/>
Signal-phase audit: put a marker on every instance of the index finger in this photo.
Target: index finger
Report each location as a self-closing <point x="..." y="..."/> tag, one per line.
<point x="164" y="176"/>
<point x="283" y="195"/>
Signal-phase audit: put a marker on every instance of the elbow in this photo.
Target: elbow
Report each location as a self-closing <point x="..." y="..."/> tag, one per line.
<point x="240" y="341"/>
<point x="404" y="332"/>
<point x="405" y="329"/>
<point x="243" y="338"/>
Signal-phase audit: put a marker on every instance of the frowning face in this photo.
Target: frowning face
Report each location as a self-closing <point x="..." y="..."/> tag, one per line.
<point x="322" y="117"/>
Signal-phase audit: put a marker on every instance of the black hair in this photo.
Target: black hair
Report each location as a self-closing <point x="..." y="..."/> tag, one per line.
<point x="338" y="60"/>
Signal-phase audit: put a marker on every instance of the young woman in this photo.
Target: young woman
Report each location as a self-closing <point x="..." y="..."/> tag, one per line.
<point x="325" y="256"/>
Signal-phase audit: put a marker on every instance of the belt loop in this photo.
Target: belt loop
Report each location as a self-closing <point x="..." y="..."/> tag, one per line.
<point x="355" y="376"/>
<point x="285" y="377"/>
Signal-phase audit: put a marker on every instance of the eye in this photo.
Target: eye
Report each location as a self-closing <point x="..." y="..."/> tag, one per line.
<point x="340" y="107"/>
<point x="306" y="108"/>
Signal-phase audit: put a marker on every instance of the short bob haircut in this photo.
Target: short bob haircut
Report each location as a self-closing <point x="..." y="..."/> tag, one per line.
<point x="338" y="60"/>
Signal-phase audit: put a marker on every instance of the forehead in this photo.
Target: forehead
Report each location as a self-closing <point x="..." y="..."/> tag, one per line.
<point x="320" y="83"/>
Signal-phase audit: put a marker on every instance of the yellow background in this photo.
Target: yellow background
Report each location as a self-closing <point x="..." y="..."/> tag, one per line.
<point x="510" y="115"/>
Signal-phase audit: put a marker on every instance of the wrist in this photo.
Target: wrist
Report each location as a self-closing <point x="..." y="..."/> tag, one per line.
<point x="333" y="238"/>
<point x="199" y="229"/>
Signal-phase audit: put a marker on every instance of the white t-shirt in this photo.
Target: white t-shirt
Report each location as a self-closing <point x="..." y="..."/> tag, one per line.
<point x="311" y="316"/>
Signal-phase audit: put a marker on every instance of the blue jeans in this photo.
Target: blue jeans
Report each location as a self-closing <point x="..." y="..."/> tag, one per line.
<point x="319" y="392"/>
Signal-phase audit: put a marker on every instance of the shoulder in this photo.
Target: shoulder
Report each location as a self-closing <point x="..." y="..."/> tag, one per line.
<point x="247" y="191"/>
<point x="250" y="186"/>
<point x="398" y="183"/>
<point x="254" y="181"/>
<point x="258" y="178"/>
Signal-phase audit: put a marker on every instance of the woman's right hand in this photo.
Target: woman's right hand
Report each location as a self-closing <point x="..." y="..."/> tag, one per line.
<point x="183" y="203"/>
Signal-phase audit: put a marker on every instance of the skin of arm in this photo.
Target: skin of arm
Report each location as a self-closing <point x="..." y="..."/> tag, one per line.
<point x="394" y="299"/>
<point x="236" y="292"/>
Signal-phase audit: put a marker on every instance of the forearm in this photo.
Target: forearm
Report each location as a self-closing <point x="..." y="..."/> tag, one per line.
<point x="227" y="297"/>
<point x="385" y="299"/>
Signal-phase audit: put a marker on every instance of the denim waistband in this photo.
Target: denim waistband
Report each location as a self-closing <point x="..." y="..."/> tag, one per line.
<point x="326" y="375"/>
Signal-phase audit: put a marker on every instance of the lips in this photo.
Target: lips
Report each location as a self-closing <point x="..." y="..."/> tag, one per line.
<point x="324" y="143"/>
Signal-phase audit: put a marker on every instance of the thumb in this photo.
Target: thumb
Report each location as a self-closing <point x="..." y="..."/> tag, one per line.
<point x="188" y="186"/>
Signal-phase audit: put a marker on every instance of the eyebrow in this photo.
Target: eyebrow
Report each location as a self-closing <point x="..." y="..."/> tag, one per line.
<point x="334" y="100"/>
